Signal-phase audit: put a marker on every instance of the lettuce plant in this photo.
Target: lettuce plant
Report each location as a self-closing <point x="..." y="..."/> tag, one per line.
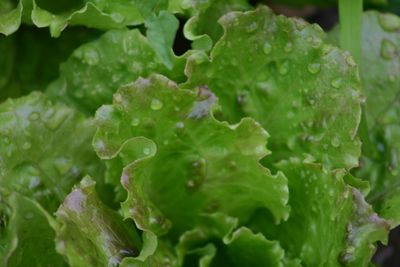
<point x="269" y="143"/>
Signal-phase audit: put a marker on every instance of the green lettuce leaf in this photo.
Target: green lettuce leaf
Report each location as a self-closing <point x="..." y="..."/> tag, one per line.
<point x="155" y="252"/>
<point x="380" y="75"/>
<point x="99" y="14"/>
<point x="10" y="16"/>
<point x="41" y="154"/>
<point x="57" y="16"/>
<point x="202" y="28"/>
<point x="90" y="234"/>
<point x="279" y="72"/>
<point x="217" y="241"/>
<point x="330" y="223"/>
<point x="26" y="238"/>
<point x="180" y="162"/>
<point x="161" y="30"/>
<point x="92" y="74"/>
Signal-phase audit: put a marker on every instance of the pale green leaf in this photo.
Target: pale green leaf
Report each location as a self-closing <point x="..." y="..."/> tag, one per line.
<point x="193" y="163"/>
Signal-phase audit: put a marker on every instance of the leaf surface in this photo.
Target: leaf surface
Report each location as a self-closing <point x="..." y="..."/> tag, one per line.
<point x="23" y="224"/>
<point x="380" y="75"/>
<point x="279" y="72"/>
<point x="94" y="71"/>
<point x="179" y="161"/>
<point x="92" y="234"/>
<point x="330" y="223"/>
<point x="42" y="158"/>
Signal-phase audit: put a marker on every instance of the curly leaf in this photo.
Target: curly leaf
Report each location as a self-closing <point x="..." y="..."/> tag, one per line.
<point x="227" y="246"/>
<point x="10" y="16"/>
<point x="279" y="72"/>
<point x="97" y="69"/>
<point x="380" y="75"/>
<point x="154" y="253"/>
<point x="41" y="156"/>
<point x="57" y="16"/>
<point x="202" y="28"/>
<point x="99" y="14"/>
<point x="92" y="234"/>
<point x="193" y="163"/>
<point x="330" y="223"/>
<point x="161" y="30"/>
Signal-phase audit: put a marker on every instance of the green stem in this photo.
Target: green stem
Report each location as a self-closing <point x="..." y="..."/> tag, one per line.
<point x="350" y="15"/>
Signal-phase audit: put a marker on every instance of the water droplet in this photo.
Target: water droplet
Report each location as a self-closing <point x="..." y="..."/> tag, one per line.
<point x="117" y="17"/>
<point x="388" y="49"/>
<point x="260" y="150"/>
<point x="314" y="41"/>
<point x="267" y="48"/>
<point x="135" y="122"/>
<point x="156" y="104"/>
<point x="288" y="47"/>
<point x="26" y="145"/>
<point x="311" y="100"/>
<point x="118" y="98"/>
<point x="381" y="147"/>
<point x="33" y="116"/>
<point x="190" y="183"/>
<point x="53" y="119"/>
<point x="63" y="165"/>
<point x="314" y="68"/>
<point x="331" y="192"/>
<point x="232" y="165"/>
<point x="355" y="94"/>
<point x="99" y="145"/>
<point x="91" y="57"/>
<point x="136" y="67"/>
<point x="116" y="77"/>
<point x="79" y="94"/>
<point x="153" y="220"/>
<point x="350" y="61"/>
<point x="296" y="103"/>
<point x="389" y="22"/>
<point x="28" y="216"/>
<point x="335" y="142"/>
<point x="146" y="151"/>
<point x="180" y="126"/>
<point x="326" y="49"/>
<point x="337" y="83"/>
<point x="34" y="182"/>
<point x="284" y="67"/>
<point x="290" y="115"/>
<point x="292" y="142"/>
<point x="350" y="160"/>
<point x="252" y="27"/>
<point x="6" y="140"/>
